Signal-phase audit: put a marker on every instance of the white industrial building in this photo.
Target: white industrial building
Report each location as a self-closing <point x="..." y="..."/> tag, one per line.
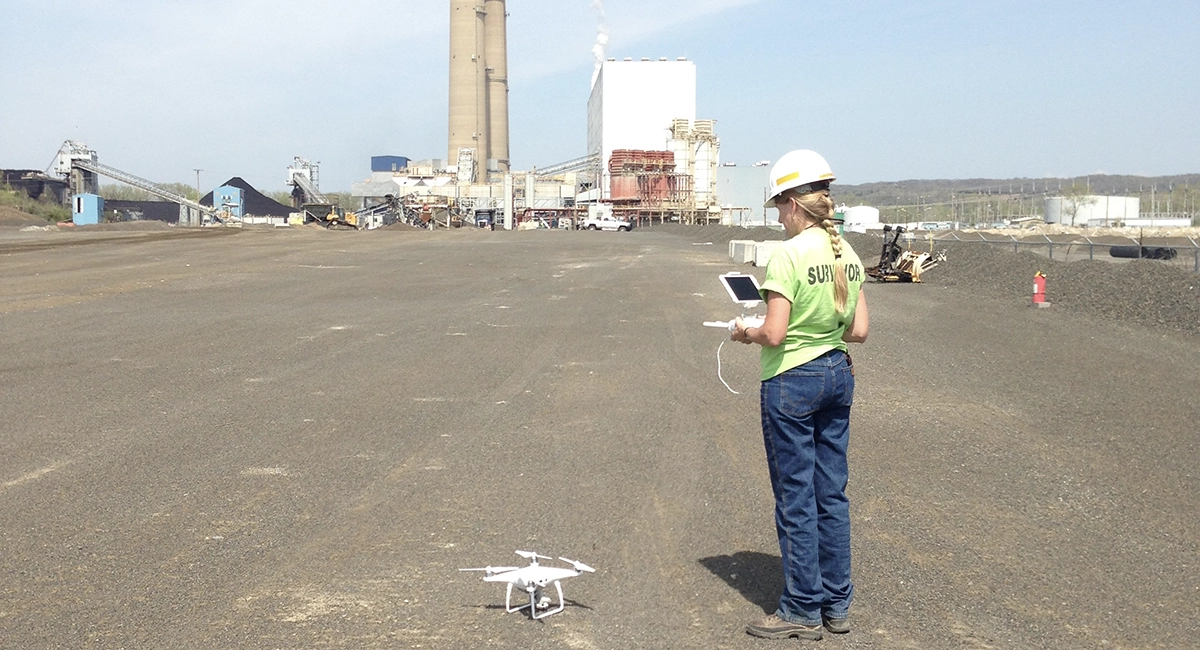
<point x="743" y="189"/>
<point x="638" y="108"/>
<point x="634" y="104"/>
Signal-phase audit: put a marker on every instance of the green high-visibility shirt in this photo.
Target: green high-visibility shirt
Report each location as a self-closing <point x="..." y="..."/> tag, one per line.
<point x="801" y="270"/>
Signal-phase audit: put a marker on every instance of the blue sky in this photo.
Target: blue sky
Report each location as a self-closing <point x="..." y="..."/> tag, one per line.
<point x="885" y="90"/>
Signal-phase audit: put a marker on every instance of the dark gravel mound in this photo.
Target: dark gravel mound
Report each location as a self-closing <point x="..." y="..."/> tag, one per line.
<point x="1142" y="292"/>
<point x="254" y="202"/>
<point x="1145" y="292"/>
<point x="718" y="234"/>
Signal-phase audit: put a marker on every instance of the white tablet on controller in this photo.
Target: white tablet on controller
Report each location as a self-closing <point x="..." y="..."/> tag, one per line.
<point x="742" y="288"/>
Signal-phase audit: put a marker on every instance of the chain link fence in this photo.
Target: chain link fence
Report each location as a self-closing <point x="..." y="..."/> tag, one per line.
<point x="1179" y="252"/>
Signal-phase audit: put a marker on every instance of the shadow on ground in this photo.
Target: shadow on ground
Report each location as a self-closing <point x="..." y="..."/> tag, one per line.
<point x="757" y="576"/>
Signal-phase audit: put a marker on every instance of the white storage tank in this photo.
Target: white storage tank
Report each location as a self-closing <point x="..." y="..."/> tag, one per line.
<point x="1093" y="211"/>
<point x="860" y="218"/>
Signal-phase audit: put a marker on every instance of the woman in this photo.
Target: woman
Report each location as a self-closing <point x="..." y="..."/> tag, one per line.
<point x="815" y="305"/>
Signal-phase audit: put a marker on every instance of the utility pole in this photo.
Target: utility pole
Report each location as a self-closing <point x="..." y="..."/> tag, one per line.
<point x="198" y="194"/>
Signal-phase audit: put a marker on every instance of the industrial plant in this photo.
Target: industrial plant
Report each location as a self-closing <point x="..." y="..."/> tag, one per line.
<point x="648" y="157"/>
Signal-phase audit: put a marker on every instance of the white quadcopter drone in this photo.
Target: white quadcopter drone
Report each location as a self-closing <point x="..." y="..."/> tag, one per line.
<point x="532" y="579"/>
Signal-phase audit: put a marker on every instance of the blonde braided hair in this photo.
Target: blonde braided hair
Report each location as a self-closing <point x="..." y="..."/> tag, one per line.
<point x="819" y="206"/>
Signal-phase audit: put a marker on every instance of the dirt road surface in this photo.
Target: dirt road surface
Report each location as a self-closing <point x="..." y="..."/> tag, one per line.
<point x="294" y="439"/>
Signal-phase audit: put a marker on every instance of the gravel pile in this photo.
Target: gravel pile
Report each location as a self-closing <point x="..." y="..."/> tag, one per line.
<point x="718" y="234"/>
<point x="15" y="218"/>
<point x="1142" y="292"/>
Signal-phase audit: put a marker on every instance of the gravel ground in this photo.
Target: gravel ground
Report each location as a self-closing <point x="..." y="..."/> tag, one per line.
<point x="1142" y="292"/>
<point x="293" y="438"/>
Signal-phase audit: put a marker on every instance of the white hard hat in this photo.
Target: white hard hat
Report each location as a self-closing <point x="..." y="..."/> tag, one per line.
<point x="800" y="169"/>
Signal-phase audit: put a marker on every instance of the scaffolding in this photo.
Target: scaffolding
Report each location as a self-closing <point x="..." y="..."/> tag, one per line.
<point x="646" y="185"/>
<point x="697" y="148"/>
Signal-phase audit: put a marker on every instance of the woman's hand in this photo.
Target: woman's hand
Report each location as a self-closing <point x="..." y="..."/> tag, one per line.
<point x="739" y="331"/>
<point x="774" y="328"/>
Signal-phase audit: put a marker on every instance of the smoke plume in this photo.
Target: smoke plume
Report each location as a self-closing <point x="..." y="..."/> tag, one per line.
<point x="600" y="49"/>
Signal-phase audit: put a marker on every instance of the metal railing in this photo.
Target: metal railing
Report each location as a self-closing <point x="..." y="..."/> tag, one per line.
<point x="1069" y="248"/>
<point x="585" y="163"/>
<point x="311" y="193"/>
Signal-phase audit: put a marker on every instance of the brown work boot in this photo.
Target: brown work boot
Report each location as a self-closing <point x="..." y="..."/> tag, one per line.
<point x="773" y="627"/>
<point x="836" y="625"/>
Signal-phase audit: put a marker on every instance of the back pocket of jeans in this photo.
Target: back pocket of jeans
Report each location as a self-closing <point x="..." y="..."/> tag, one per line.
<point x="848" y="382"/>
<point x="801" y="393"/>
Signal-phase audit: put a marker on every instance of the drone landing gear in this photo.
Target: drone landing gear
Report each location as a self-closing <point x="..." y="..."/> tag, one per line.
<point x="537" y="600"/>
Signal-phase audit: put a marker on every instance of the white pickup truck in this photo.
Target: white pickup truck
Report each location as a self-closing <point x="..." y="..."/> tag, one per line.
<point x="606" y="222"/>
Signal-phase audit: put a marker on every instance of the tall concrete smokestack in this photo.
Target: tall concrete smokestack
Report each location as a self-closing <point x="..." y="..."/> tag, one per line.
<point x="483" y="129"/>
<point x="468" y="82"/>
<point x="496" y="56"/>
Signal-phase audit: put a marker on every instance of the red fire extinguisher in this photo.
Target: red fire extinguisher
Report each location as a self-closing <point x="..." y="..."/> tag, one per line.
<point x="1039" y="288"/>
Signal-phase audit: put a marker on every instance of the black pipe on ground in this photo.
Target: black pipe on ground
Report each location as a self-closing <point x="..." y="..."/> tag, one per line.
<point x="1144" y="252"/>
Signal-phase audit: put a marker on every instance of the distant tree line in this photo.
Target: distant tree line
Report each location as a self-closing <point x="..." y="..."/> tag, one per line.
<point x="122" y="192"/>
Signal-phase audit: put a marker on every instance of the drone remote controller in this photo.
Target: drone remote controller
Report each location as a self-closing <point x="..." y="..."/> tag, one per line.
<point x="750" y="321"/>
<point x="744" y="290"/>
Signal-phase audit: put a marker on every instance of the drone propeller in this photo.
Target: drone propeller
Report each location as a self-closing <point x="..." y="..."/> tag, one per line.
<point x="530" y="555"/>
<point x="579" y="566"/>
<point x="493" y="569"/>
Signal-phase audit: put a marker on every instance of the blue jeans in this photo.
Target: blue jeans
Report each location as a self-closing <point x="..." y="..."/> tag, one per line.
<point x="806" y="429"/>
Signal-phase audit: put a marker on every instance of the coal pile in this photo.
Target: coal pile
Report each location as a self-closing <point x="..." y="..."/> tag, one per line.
<point x="1140" y="292"/>
<point x="253" y="202"/>
<point x="144" y="210"/>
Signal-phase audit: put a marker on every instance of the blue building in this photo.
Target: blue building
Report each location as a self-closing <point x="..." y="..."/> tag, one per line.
<point x="87" y="209"/>
<point x="388" y="163"/>
<point x="229" y="199"/>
